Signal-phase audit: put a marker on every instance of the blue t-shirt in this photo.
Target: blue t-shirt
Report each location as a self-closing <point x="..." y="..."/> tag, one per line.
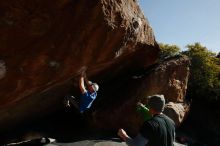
<point x="86" y="100"/>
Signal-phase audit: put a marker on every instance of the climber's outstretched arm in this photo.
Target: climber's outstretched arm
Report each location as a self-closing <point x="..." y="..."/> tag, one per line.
<point x="82" y="85"/>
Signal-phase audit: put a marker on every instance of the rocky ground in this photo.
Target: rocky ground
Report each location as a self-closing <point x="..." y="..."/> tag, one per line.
<point x="63" y="128"/>
<point x="71" y="130"/>
<point x="92" y="142"/>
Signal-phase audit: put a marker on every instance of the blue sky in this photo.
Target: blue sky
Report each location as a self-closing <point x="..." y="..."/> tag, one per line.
<point x="183" y="22"/>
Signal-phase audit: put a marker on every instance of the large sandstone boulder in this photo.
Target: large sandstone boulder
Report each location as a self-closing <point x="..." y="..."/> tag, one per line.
<point x="44" y="45"/>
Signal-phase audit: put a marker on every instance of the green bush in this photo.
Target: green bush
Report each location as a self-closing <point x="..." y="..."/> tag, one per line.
<point x="204" y="71"/>
<point x="168" y="50"/>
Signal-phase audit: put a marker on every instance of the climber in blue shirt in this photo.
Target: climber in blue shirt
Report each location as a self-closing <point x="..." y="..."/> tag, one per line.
<point x="88" y="95"/>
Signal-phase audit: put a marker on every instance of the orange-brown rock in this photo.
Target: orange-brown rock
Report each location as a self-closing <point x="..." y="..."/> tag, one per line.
<point x="176" y="111"/>
<point x="45" y="43"/>
<point x="170" y="79"/>
<point x="119" y="107"/>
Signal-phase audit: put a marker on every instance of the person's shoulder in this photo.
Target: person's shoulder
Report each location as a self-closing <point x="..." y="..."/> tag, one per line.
<point x="151" y="122"/>
<point x="168" y="119"/>
<point x="158" y="119"/>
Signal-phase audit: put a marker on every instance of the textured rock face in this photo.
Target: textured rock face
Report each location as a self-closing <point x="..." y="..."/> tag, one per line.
<point x="168" y="78"/>
<point x="45" y="43"/>
<point x="176" y="111"/>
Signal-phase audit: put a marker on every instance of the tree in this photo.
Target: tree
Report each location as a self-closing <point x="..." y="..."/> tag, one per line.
<point x="204" y="71"/>
<point x="168" y="50"/>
